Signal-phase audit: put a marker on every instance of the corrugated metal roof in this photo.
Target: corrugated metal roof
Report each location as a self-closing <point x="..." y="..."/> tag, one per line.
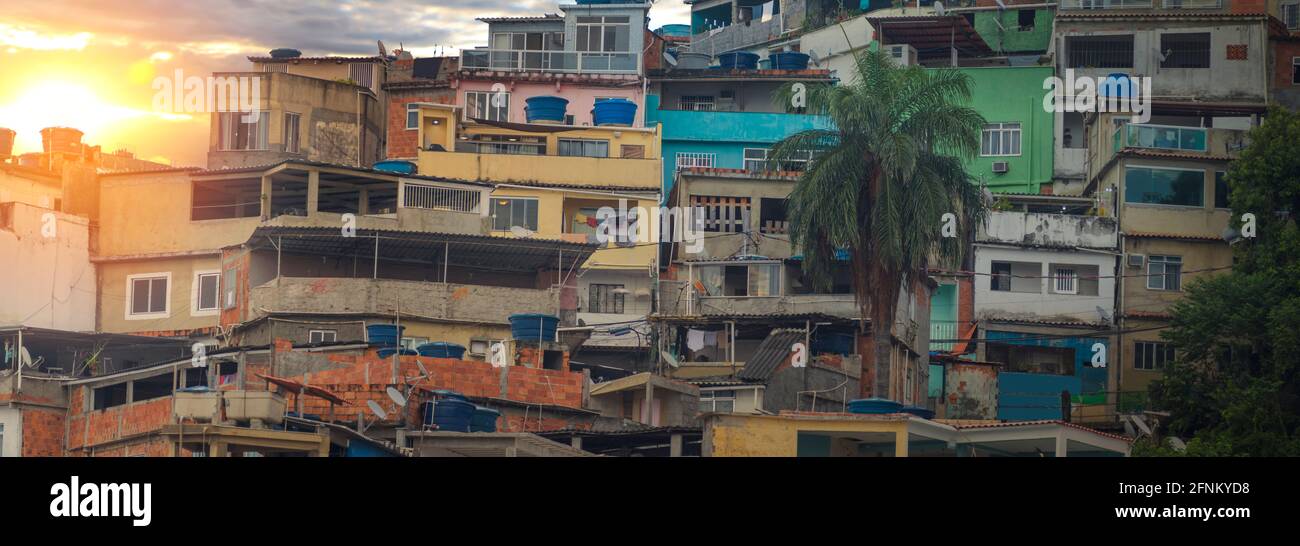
<point x="771" y="353"/>
<point x="1012" y="424"/>
<point x="1184" y="236"/>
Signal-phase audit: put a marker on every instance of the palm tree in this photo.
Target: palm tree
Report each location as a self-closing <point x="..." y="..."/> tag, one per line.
<point x="881" y="180"/>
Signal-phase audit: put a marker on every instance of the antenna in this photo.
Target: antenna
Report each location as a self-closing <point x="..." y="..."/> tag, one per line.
<point x="397" y="397"/>
<point x="377" y="409"/>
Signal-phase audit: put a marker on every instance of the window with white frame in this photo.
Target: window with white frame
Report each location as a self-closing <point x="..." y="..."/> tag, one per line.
<point x="717" y="401"/>
<point x="1000" y="139"/>
<point x="1164" y="272"/>
<point x="243" y="130"/>
<point x="411" y="343"/>
<point x="687" y="160"/>
<point x="1291" y="16"/>
<point x="756" y="160"/>
<point x="481" y="347"/>
<point x="206" y="292"/>
<point x="1149" y="355"/>
<point x="487" y="105"/>
<point x="604" y="33"/>
<point x="1066" y="280"/>
<point x="291" y="141"/>
<point x="146" y="295"/>
<point x="508" y="212"/>
<point x="412" y="117"/>
<point x="322" y="336"/>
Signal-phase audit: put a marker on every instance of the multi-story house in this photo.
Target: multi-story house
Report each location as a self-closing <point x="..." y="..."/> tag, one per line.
<point x="594" y="51"/>
<point x="327" y="109"/>
<point x="1163" y="178"/>
<point x="411" y="82"/>
<point x="732" y="307"/>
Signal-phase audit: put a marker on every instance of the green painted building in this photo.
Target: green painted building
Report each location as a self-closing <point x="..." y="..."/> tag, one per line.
<point x="1016" y="146"/>
<point x="1015" y="31"/>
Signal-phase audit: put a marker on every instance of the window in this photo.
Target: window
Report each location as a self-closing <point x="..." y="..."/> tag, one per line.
<point x="1066" y="280"/>
<point x="632" y="151"/>
<point x="147" y="295"/>
<point x="228" y="288"/>
<point x="487" y="105"/>
<point x="238" y="132"/>
<point x="686" y="160"/>
<point x="1100" y="51"/>
<point x="607" y="33"/>
<point x="1000" y="281"/>
<point x="717" y="401"/>
<point x="411" y="343"/>
<point x="723" y="213"/>
<point x="1150" y="185"/>
<point x="502" y="144"/>
<point x="583" y="148"/>
<point x="1025" y="18"/>
<point x="605" y="298"/>
<point x="481" y="347"/>
<point x="322" y="336"/>
<point x="1291" y="16"/>
<point x="1148" y="355"/>
<point x="1221" y="190"/>
<point x="150" y="388"/>
<point x="1000" y="139"/>
<point x="772" y="216"/>
<point x="206" y="291"/>
<point x="412" y="117"/>
<point x="109" y="396"/>
<point x="291" y="144"/>
<point x="509" y="212"/>
<point x="764" y="280"/>
<point x="1164" y="273"/>
<point x="698" y="103"/>
<point x="1295" y="70"/>
<point x="1185" y="50"/>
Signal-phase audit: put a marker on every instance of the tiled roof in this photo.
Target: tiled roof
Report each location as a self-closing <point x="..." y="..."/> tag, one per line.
<point x="1182" y="236"/>
<point x="1148" y="315"/>
<point x="522" y="19"/>
<point x="1050" y="322"/>
<point x="1134" y="152"/>
<point x="266" y="59"/>
<point x="740" y="172"/>
<point x="1154" y="14"/>
<point x="1012" y="424"/>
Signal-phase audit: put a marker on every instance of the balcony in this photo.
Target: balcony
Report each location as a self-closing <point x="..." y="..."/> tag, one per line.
<point x="676" y="300"/>
<point x="575" y="62"/>
<point x="725" y="126"/>
<point x="433" y="300"/>
<point x="1173" y="138"/>
<point x="596" y="171"/>
<point x="1049" y="230"/>
<point x="737" y="36"/>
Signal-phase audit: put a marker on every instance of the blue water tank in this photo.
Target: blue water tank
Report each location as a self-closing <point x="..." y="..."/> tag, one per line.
<point x="614" y="112"/>
<point x="738" y="60"/>
<point x="449" y="414"/>
<point x="441" y="349"/>
<point x="545" y="109"/>
<point x="533" y="326"/>
<point x="789" y="60"/>
<point x="390" y="351"/>
<point x="383" y="335"/>
<point x="924" y="413"/>
<point x="874" y="406"/>
<point x="396" y="166"/>
<point x="676" y="30"/>
<point x="484" y="420"/>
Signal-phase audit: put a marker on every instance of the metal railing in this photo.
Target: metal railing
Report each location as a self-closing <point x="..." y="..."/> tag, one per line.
<point x="1160" y="137"/>
<point x="423" y="196"/>
<point x="1104" y="4"/>
<point x="1192" y="4"/>
<point x="526" y="60"/>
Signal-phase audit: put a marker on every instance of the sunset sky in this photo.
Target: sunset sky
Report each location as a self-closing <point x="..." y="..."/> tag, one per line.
<point x="91" y="64"/>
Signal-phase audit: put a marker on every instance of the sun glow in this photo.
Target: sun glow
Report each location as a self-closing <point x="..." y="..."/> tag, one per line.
<point x="56" y="103"/>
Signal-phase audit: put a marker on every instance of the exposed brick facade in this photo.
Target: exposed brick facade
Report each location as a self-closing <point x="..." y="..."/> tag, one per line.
<point x="403" y="143"/>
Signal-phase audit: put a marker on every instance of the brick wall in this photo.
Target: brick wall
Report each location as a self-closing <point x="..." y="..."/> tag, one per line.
<point x="42" y="432"/>
<point x="403" y="142"/>
<point x="90" y="431"/>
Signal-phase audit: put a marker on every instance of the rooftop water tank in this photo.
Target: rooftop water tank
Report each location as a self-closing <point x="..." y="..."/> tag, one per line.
<point x="383" y="335"/>
<point x="449" y="414"/>
<point x="789" y="60"/>
<point x="484" y="420"/>
<point x="395" y="166"/>
<point x="6" y="143"/>
<point x="738" y="60"/>
<point x="441" y="349"/>
<point x="61" y="139"/>
<point x="533" y="326"/>
<point x="546" y="109"/>
<point x="693" y="61"/>
<point x="620" y="112"/>
<point x="874" y="406"/>
<point x="285" y="53"/>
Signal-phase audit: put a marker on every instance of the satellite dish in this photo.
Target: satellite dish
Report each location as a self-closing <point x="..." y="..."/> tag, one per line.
<point x="25" y="358"/>
<point x="938" y="8"/>
<point x="383" y="51"/>
<point x="1105" y="317"/>
<point x="423" y="371"/>
<point x="1232" y="236"/>
<point x="377" y="409"/>
<point x="521" y="232"/>
<point x="670" y="59"/>
<point x="815" y="58"/>
<point x="396" y="397"/>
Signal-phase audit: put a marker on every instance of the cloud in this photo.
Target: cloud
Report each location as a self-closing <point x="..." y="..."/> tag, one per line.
<point x="16" y="38"/>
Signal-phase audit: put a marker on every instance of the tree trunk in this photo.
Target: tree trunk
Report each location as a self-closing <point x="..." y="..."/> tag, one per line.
<point x="883" y="306"/>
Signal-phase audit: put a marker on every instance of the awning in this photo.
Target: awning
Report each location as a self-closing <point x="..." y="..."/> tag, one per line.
<point x="301" y="388"/>
<point x="931" y="35"/>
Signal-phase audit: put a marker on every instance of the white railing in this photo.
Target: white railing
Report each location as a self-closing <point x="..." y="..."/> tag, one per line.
<point x="525" y="60"/>
<point x="1104" y="4"/>
<point x="424" y="196"/>
<point x="942" y="330"/>
<point x="1192" y="4"/>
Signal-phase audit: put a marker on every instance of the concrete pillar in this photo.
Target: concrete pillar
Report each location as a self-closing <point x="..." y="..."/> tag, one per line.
<point x="363" y="201"/>
<point x="1061" y="444"/>
<point x="218" y="449"/>
<point x="675" y="445"/>
<point x="575" y="441"/>
<point x="647" y="407"/>
<point x="900" y="443"/>
<point x="266" y="197"/>
<point x="313" y="192"/>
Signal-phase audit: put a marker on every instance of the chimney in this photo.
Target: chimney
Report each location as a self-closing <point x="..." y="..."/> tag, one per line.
<point x="6" y="144"/>
<point x="61" y="140"/>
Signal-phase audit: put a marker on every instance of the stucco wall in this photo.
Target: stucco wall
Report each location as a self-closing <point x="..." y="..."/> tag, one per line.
<point x="47" y="279"/>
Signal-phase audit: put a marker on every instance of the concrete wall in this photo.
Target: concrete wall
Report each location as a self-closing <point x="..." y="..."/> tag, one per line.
<point x="1043" y="302"/>
<point x="1225" y="79"/>
<point x="837" y="54"/>
<point x="582" y="98"/>
<point x="476" y="303"/>
<point x="970" y="391"/>
<point x="1049" y="230"/>
<point x="115" y="290"/>
<point x="1014" y="95"/>
<point x="48" y="280"/>
<point x="150" y="214"/>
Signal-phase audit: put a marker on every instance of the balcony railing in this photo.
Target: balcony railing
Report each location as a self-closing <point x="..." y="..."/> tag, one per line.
<point x="424" y="196"/>
<point x="525" y="60"/>
<point x="1160" y="137"/>
<point x="1192" y="4"/>
<point x="1104" y="4"/>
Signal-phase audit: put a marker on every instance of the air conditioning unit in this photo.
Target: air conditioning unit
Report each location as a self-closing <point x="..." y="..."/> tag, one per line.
<point x="1001" y="167"/>
<point x="1136" y="260"/>
<point x="903" y="54"/>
